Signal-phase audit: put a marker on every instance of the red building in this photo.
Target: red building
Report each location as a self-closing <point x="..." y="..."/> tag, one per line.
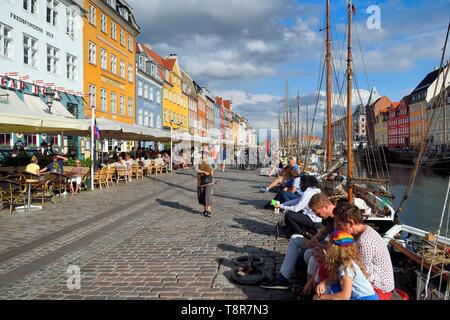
<point x="398" y="125"/>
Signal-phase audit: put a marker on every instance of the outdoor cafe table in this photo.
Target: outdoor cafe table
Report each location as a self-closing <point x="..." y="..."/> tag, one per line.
<point x="29" y="207"/>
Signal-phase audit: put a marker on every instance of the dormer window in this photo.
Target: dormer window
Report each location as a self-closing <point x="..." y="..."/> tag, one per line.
<point x="112" y="3"/>
<point x="142" y="64"/>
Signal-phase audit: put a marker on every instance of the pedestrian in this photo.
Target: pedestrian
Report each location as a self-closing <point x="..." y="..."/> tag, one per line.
<point x="205" y="181"/>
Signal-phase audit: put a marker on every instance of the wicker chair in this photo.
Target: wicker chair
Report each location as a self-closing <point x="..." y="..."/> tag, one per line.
<point x="110" y="172"/>
<point x="100" y="177"/>
<point x="121" y="174"/>
<point x="13" y="193"/>
<point x="44" y="188"/>
<point x="136" y="171"/>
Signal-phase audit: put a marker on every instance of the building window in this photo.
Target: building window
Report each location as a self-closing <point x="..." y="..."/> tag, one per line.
<point x="5" y="139"/>
<point x="122" y="105"/>
<point x="30" y="6"/>
<point x="158" y="121"/>
<point x="6" y="41"/>
<point x="146" y="91"/>
<point x="122" y="37"/>
<point x="112" y="3"/>
<point x="92" y="96"/>
<point x="130" y="43"/>
<point x="152" y="124"/>
<point x="165" y="94"/>
<point x="122" y="69"/>
<point x="130" y="107"/>
<point x="70" y="23"/>
<point x="151" y="94"/>
<point x="92" y="15"/>
<point x="103" y="59"/>
<point x="52" y="12"/>
<point x="146" y="118"/>
<point x="52" y="59"/>
<point x="140" y="88"/>
<point x="103" y="23"/>
<point x="113" y="64"/>
<point x="92" y="53"/>
<point x="103" y="100"/>
<point x="30" y="51"/>
<point x="130" y="73"/>
<point x="153" y="71"/>
<point x="113" y="102"/>
<point x="140" y="117"/>
<point x="113" y="30"/>
<point x="71" y="66"/>
<point x="158" y="96"/>
<point x="141" y="63"/>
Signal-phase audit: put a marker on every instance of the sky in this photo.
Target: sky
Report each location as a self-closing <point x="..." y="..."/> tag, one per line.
<point x="245" y="50"/>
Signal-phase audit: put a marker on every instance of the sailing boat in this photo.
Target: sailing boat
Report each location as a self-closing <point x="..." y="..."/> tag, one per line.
<point x="371" y="193"/>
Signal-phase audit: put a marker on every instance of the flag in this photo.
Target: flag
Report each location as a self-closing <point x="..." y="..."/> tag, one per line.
<point x="96" y="131"/>
<point x="352" y="7"/>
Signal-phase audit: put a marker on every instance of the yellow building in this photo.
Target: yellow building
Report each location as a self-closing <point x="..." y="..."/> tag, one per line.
<point x="109" y="41"/>
<point x="175" y="108"/>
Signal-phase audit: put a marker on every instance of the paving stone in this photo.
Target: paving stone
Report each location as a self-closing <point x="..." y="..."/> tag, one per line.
<point x="141" y="240"/>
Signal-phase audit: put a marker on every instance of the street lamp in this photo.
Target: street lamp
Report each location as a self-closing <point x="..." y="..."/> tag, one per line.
<point x="49" y="94"/>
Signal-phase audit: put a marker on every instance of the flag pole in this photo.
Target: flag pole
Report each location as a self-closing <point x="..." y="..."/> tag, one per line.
<point x="92" y="145"/>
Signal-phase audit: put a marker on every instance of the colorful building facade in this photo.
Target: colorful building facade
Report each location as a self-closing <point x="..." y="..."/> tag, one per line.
<point x="398" y="126"/>
<point x="41" y="45"/>
<point x="176" y="113"/>
<point x="148" y="91"/>
<point x="110" y="32"/>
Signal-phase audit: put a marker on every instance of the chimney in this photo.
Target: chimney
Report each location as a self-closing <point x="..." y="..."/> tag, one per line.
<point x="219" y="101"/>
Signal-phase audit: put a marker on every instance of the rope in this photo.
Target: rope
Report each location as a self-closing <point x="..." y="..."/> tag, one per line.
<point x="424" y="136"/>
<point x="436" y="242"/>
<point x="443" y="256"/>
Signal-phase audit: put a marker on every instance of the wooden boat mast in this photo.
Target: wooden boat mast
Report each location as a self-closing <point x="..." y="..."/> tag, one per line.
<point x="349" y="102"/>
<point x="329" y="89"/>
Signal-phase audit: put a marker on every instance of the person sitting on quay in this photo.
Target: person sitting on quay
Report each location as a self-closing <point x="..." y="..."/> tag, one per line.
<point x="299" y="244"/>
<point x="56" y="165"/>
<point x="33" y="166"/>
<point x="283" y="177"/>
<point x="299" y="217"/>
<point x="373" y="249"/>
<point x="166" y="158"/>
<point x="347" y="275"/>
<point x="76" y="176"/>
<point x="292" y="192"/>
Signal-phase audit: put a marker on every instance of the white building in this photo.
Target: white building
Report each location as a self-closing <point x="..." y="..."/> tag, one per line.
<point x="41" y="45"/>
<point x="42" y="39"/>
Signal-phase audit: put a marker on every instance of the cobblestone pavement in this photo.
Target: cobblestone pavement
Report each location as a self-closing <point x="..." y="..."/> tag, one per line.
<point x="142" y="240"/>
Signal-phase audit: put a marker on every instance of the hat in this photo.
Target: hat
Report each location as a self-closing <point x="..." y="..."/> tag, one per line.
<point x="342" y="238"/>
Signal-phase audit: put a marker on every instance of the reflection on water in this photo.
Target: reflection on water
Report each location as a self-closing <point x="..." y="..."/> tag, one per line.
<point x="423" y="209"/>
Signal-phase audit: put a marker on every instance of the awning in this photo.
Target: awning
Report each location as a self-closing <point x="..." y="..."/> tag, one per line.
<point x="118" y="130"/>
<point x="16" y="116"/>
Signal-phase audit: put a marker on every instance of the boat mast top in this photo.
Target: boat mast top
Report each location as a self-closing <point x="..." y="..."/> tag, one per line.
<point x="329" y="89"/>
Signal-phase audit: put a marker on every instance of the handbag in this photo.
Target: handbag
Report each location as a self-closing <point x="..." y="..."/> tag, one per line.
<point x="205" y="179"/>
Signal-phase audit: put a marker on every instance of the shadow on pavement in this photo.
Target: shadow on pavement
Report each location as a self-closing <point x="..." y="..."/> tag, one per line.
<point x="255" y="226"/>
<point x="177" y="205"/>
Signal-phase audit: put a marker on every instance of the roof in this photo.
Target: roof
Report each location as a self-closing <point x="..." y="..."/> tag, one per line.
<point x="395" y="104"/>
<point x="157" y="58"/>
<point x="427" y="81"/>
<point x="169" y="63"/>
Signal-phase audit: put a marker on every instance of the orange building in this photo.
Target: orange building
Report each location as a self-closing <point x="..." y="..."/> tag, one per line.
<point x="110" y="32"/>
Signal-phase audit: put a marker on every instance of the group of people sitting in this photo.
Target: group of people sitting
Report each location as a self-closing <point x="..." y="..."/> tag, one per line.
<point x="345" y="259"/>
<point x="56" y="165"/>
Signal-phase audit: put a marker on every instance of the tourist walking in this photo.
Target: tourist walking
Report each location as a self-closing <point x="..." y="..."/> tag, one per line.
<point x="205" y="181"/>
